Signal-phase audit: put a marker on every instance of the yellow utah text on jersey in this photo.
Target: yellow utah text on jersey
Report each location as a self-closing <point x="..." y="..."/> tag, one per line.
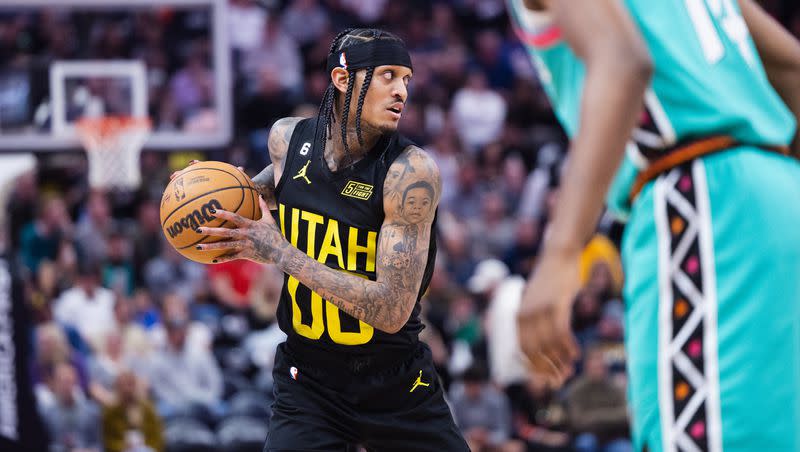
<point x="358" y="190"/>
<point x="347" y="261"/>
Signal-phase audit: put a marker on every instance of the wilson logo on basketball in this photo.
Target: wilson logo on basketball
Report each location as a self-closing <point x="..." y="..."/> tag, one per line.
<point x="194" y="219"/>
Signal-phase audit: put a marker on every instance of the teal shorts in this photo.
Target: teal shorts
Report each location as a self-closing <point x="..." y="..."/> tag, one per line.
<point x="712" y="262"/>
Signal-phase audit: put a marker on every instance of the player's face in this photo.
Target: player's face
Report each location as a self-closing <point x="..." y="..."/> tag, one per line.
<point x="386" y="97"/>
<point x="416" y="205"/>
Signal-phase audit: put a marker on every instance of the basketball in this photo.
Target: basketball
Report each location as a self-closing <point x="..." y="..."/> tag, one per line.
<point x="191" y="198"/>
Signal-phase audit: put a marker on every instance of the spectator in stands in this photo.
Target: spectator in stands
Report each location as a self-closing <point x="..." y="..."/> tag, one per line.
<point x="597" y="409"/>
<point x="93" y="228"/>
<point x="126" y="347"/>
<point x="539" y="417"/>
<point x="445" y="149"/>
<point x="131" y="422"/>
<point x="198" y="336"/>
<point x="482" y="412"/>
<point x="492" y="56"/>
<point x="478" y="112"/>
<point x="72" y="422"/>
<point x="502" y="292"/>
<point x="279" y="52"/>
<point x="172" y="272"/>
<point x="520" y="256"/>
<point x="192" y="87"/>
<point x="43" y="291"/>
<point x="268" y="102"/>
<point x="585" y="316"/>
<point x="87" y="307"/>
<point x="52" y="348"/>
<point x="118" y="271"/>
<point x="492" y="234"/>
<point x="246" y="22"/>
<point x="460" y="261"/>
<point x="145" y="312"/>
<point x="469" y="189"/>
<point x="305" y="21"/>
<point x="24" y="197"/>
<point x="184" y="380"/>
<point x="147" y="236"/>
<point x="42" y="238"/>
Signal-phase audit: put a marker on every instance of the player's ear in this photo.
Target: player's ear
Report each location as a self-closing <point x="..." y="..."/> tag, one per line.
<point x="339" y="78"/>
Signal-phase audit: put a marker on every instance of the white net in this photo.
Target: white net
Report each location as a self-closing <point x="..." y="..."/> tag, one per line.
<point x="113" y="145"/>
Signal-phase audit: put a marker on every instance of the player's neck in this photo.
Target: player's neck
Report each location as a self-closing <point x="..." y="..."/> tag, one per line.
<point x="335" y="155"/>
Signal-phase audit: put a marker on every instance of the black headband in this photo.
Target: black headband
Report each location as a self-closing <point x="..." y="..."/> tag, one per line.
<point x="377" y="52"/>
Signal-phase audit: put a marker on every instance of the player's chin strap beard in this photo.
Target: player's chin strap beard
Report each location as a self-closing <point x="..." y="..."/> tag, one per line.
<point x="366" y="55"/>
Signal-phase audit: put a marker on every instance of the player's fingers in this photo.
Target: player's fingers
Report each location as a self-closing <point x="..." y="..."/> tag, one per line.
<point x="175" y="173"/>
<point x="552" y="354"/>
<point x="544" y="368"/>
<point x="227" y="257"/>
<point x="232" y="233"/>
<point x="234" y="218"/>
<point x="223" y="245"/>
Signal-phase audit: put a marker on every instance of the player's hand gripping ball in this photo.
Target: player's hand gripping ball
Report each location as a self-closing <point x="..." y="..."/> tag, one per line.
<point x="192" y="198"/>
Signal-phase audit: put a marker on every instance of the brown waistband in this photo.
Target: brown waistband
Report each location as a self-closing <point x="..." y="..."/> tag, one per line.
<point x="688" y="152"/>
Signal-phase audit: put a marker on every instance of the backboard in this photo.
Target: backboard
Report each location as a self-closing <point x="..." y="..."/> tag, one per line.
<point x="101" y="57"/>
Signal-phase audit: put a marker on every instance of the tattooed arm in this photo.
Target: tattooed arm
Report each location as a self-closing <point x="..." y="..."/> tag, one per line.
<point x="411" y="194"/>
<point x="279" y="136"/>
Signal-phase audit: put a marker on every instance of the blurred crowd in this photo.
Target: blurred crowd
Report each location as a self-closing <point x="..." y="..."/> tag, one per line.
<point x="138" y="349"/>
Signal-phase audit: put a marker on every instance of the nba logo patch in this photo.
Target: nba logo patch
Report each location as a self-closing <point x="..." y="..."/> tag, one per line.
<point x="293" y="372"/>
<point x="343" y="60"/>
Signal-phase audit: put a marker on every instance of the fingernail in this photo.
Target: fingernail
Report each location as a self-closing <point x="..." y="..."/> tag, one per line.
<point x="197" y="230"/>
<point x="212" y="210"/>
<point x="198" y="247"/>
<point x="214" y="261"/>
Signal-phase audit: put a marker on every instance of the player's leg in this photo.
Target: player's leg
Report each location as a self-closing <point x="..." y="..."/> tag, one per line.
<point x="754" y="202"/>
<point x="406" y="410"/>
<point x="304" y="416"/>
<point x="713" y="318"/>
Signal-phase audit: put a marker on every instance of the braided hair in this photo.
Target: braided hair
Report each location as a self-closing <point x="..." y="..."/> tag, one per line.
<point x="344" y="39"/>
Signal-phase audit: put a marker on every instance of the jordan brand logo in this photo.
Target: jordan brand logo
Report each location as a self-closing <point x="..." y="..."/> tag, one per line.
<point x="302" y="173"/>
<point x="419" y="382"/>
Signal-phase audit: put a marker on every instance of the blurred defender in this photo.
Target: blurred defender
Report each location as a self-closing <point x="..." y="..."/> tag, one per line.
<point x="712" y="247"/>
<point x="356" y="205"/>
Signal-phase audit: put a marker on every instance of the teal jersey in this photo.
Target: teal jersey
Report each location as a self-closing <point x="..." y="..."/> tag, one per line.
<point x="708" y="78"/>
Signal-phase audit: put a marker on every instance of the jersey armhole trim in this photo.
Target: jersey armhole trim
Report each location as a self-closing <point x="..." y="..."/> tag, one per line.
<point x="543" y="39"/>
<point x="534" y="28"/>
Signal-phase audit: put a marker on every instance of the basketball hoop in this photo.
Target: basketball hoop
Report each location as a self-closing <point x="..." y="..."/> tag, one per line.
<point x="113" y="145"/>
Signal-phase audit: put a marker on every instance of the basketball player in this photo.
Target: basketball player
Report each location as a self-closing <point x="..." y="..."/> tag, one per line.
<point x="712" y="247"/>
<point x="356" y="207"/>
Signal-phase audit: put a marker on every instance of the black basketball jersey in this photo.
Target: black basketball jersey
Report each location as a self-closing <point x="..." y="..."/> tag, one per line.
<point x="335" y="217"/>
